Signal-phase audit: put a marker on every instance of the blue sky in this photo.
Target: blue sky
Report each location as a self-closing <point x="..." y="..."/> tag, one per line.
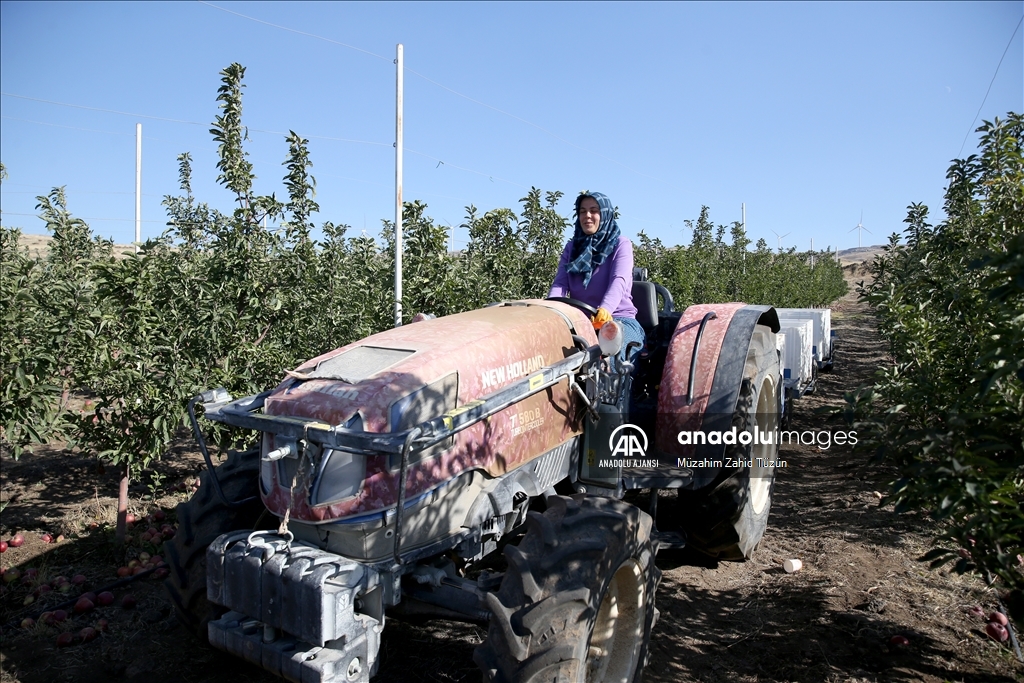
<point x="809" y="113"/>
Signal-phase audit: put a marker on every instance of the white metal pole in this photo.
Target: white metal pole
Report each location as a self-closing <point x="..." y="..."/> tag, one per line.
<point x="399" y="61"/>
<point x="138" y="185"/>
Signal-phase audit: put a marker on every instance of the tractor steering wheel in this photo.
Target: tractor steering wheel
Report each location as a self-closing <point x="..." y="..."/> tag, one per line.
<point x="585" y="307"/>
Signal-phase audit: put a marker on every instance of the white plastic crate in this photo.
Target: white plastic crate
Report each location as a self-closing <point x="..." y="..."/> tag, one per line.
<point x="822" y="319"/>
<point x="798" y="354"/>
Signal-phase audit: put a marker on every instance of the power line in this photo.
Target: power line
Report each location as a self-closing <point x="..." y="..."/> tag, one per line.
<point x="161" y="118"/>
<point x="451" y="90"/>
<point x="87" y="130"/>
<point x="971" y="129"/>
<point x="292" y="30"/>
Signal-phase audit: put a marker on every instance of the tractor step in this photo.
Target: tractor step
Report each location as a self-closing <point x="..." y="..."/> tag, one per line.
<point x="668" y="540"/>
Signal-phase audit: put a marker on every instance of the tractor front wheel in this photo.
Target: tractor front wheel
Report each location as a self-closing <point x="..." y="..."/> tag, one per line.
<point x="201" y="519"/>
<point x="577" y="601"/>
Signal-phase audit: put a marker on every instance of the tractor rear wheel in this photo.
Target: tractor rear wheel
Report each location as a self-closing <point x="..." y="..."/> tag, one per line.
<point x="201" y="519"/>
<point x="577" y="601"/>
<point x="727" y="519"/>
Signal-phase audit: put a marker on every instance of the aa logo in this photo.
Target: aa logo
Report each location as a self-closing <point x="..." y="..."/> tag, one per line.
<point x="628" y="441"/>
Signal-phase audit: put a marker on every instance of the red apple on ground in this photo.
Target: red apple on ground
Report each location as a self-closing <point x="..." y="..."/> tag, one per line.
<point x="88" y="634"/>
<point x="130" y="518"/>
<point x="78" y="580"/>
<point x="43" y="589"/>
<point x="138" y="570"/>
<point x="128" y="601"/>
<point x="977" y="612"/>
<point x="3" y="546"/>
<point x="102" y="625"/>
<point x="16" y="541"/>
<point x="47" y="538"/>
<point x="59" y="615"/>
<point x="161" y="573"/>
<point x="65" y="639"/>
<point x="46" y="618"/>
<point x="105" y="598"/>
<point x="158" y="515"/>
<point x="998" y="618"/>
<point x="123" y="572"/>
<point x="157" y="560"/>
<point x="997" y="632"/>
<point x="28" y="622"/>
<point x="83" y="605"/>
<point x="899" y="641"/>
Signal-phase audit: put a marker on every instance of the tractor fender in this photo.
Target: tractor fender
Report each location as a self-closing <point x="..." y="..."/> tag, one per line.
<point x="719" y="375"/>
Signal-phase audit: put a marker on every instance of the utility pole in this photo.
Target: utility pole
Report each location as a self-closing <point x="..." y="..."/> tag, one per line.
<point x="138" y="185"/>
<point x="400" y="62"/>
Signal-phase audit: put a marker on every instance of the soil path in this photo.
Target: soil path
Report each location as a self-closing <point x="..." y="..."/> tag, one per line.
<point x="859" y="586"/>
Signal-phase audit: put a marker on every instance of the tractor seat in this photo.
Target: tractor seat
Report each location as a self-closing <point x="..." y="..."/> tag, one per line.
<point x="645" y="298"/>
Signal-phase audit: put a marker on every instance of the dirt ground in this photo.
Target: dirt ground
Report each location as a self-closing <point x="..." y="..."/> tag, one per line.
<point x="832" y="621"/>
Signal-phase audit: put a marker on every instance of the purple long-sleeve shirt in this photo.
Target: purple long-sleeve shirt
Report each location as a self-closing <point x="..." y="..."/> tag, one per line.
<point x="611" y="283"/>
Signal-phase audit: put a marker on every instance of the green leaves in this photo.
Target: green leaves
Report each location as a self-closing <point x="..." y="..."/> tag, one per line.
<point x="950" y="302"/>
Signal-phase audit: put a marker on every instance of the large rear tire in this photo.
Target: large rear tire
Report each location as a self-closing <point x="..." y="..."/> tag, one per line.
<point x="577" y="601"/>
<point x="727" y="519"/>
<point x="201" y="519"/>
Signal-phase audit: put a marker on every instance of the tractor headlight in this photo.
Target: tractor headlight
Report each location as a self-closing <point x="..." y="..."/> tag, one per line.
<point x="341" y="476"/>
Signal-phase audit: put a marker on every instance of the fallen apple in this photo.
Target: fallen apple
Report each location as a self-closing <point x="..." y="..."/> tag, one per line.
<point x="78" y="579"/>
<point x="3" y="546"/>
<point x="46" y="618"/>
<point x="899" y="641"/>
<point x="29" y="599"/>
<point x="157" y="560"/>
<point x="132" y="564"/>
<point x="977" y="612"/>
<point x="997" y="632"/>
<point x="17" y="540"/>
<point x="83" y="605"/>
<point x="59" y="615"/>
<point x="138" y="570"/>
<point x="128" y="602"/>
<point x="144" y="557"/>
<point x="102" y="625"/>
<point x="998" y="618"/>
<point x="88" y="634"/>
<point x="123" y="572"/>
<point x="65" y="587"/>
<point x="65" y="639"/>
<point x="46" y="538"/>
<point x="161" y="573"/>
<point x="105" y="598"/>
<point x="130" y="518"/>
<point x="11" y="575"/>
<point x="28" y="622"/>
<point x="159" y="515"/>
<point x="59" y="580"/>
<point x="60" y="538"/>
<point x="43" y="589"/>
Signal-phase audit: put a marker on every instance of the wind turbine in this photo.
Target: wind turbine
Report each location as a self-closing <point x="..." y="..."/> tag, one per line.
<point x="780" y="238"/>
<point x="860" y="229"/>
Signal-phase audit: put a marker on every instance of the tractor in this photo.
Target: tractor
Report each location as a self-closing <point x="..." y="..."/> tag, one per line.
<point x="501" y="466"/>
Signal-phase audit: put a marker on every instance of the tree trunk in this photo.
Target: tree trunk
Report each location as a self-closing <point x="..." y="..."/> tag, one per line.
<point x="122" y="504"/>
